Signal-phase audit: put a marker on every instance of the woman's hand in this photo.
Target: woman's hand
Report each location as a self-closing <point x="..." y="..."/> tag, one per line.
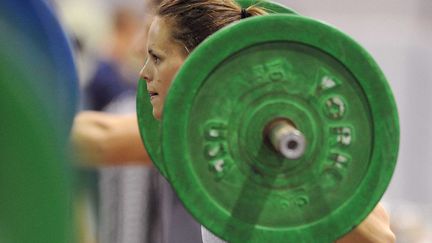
<point x="374" y="229"/>
<point x="104" y="139"/>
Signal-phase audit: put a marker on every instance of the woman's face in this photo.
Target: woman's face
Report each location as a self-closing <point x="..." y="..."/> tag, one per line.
<point x="165" y="57"/>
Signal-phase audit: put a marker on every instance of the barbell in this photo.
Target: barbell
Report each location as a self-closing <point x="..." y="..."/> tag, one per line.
<point x="288" y="134"/>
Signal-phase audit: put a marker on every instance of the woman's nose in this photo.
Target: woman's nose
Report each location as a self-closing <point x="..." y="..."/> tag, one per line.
<point x="144" y="73"/>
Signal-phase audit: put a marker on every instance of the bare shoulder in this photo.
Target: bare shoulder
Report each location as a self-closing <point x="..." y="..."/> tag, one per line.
<point x="374" y="229"/>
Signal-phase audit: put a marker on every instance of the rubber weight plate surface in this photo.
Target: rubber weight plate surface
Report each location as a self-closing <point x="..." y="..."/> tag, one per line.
<point x="150" y="127"/>
<point x="288" y="67"/>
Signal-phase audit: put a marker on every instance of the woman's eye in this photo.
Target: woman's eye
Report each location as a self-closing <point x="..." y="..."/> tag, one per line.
<point x="156" y="59"/>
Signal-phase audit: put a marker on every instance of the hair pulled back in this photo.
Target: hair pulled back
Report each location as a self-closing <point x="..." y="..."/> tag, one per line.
<point x="194" y="20"/>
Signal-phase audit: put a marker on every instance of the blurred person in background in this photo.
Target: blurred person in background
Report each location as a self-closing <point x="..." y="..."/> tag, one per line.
<point x="112" y="137"/>
<point x="136" y="204"/>
<point x="115" y="75"/>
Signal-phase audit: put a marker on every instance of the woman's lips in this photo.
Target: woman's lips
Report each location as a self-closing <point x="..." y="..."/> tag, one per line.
<point x="152" y="95"/>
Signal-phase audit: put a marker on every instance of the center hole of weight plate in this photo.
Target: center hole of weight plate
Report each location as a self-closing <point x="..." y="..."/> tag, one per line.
<point x="292" y="144"/>
<point x="284" y="137"/>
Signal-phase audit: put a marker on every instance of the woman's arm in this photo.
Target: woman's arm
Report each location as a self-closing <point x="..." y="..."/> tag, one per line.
<point x="374" y="229"/>
<point x="105" y="139"/>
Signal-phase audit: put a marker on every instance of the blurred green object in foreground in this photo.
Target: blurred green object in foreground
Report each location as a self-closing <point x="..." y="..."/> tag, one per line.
<point x="38" y="85"/>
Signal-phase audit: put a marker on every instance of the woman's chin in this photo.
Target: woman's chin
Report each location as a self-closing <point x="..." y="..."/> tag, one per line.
<point x="156" y="114"/>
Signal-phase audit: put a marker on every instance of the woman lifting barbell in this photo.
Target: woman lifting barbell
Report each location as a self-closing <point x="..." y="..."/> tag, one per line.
<point x="178" y="28"/>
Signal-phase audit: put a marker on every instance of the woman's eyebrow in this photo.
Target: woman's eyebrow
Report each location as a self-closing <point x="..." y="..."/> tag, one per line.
<point x="155" y="52"/>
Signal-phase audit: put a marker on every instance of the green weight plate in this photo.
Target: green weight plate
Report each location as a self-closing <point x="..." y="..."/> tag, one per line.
<point x="299" y="69"/>
<point x="149" y="127"/>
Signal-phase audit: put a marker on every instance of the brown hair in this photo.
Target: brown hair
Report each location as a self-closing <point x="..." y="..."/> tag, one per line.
<point x="195" y="20"/>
